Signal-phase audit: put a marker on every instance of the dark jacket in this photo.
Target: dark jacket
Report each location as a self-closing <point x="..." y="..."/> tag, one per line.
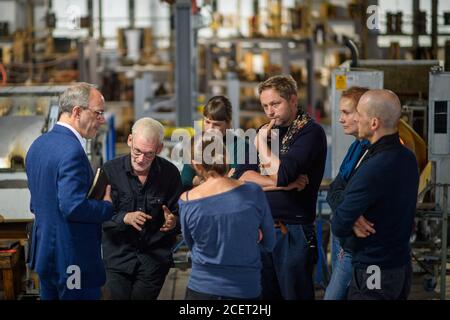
<point x="122" y="244"/>
<point x="384" y="190"/>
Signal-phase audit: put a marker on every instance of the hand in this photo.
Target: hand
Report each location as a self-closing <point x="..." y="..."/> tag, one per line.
<point x="298" y="184"/>
<point x="170" y="220"/>
<point x="136" y="219"/>
<point x="363" y="228"/>
<point x="260" y="235"/>
<point x="197" y="181"/>
<point x="231" y="172"/>
<point x="107" y="196"/>
<point x="263" y="133"/>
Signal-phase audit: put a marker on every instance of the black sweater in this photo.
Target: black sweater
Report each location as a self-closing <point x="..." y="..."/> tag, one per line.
<point x="307" y="154"/>
<point x="384" y="190"/>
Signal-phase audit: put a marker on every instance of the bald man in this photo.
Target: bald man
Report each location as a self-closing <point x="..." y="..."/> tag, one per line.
<point x="383" y="189"/>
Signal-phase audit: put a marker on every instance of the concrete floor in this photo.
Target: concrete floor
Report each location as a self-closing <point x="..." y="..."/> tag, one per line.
<point x="177" y="279"/>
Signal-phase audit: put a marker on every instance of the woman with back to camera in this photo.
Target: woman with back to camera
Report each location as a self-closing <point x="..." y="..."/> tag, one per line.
<point x="224" y="223"/>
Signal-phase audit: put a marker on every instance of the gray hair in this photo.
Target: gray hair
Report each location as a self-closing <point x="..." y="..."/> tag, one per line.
<point x="76" y="95"/>
<point x="149" y="129"/>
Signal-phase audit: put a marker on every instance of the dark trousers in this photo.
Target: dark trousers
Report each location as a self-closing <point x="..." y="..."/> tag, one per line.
<point x="394" y="284"/>
<point x="144" y="283"/>
<point x="195" y="295"/>
<point x="51" y="290"/>
<point x="288" y="270"/>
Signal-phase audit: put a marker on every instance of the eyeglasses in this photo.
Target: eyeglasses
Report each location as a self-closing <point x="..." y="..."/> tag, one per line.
<point x="147" y="155"/>
<point x="98" y="114"/>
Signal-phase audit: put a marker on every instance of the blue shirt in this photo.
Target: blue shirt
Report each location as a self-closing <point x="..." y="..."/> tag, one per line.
<point x="354" y="153"/>
<point x="222" y="233"/>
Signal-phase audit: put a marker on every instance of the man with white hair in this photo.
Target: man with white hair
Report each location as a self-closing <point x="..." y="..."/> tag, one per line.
<point x="383" y="189"/>
<point x="137" y="242"/>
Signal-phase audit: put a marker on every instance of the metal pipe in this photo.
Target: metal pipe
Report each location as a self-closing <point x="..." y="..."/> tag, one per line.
<point x="444" y="241"/>
<point x="434" y="27"/>
<point x="354" y="51"/>
<point x="415" y="37"/>
<point x="30" y="35"/>
<point x="310" y="71"/>
<point x="90" y="7"/>
<point x="183" y="63"/>
<point x="100" y="23"/>
<point x="131" y="13"/>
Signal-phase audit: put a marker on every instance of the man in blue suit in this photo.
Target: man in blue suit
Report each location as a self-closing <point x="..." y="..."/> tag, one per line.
<point x="66" y="239"/>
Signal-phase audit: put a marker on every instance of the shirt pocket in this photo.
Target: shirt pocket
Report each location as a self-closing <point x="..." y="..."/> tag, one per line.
<point x="123" y="202"/>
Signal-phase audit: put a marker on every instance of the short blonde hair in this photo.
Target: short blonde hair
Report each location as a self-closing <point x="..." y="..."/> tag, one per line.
<point x="149" y="129"/>
<point x="285" y="85"/>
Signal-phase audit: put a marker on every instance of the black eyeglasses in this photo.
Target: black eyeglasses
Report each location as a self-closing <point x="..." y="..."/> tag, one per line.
<point x="98" y="114"/>
<point x="147" y="155"/>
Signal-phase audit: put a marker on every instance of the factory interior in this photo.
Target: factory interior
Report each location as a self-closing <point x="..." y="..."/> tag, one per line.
<point x="166" y="59"/>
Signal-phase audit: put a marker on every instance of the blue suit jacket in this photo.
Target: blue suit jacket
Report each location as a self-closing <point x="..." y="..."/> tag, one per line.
<point x="67" y="227"/>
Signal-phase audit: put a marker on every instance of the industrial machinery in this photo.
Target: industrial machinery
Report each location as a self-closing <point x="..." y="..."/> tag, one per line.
<point x="439" y="124"/>
<point x="432" y="254"/>
<point x="342" y="79"/>
<point x="25" y="114"/>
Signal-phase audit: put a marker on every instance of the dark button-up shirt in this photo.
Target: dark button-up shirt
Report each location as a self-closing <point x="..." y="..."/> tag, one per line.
<point x="123" y="246"/>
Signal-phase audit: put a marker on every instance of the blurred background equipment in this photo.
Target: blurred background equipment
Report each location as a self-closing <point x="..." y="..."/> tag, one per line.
<point x="165" y="59"/>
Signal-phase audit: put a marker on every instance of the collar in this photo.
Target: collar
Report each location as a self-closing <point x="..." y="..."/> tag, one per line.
<point x="75" y="132"/>
<point x="384" y="142"/>
<point x="364" y="143"/>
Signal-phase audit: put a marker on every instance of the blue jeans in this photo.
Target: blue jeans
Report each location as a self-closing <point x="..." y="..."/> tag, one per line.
<point x="341" y="263"/>
<point x="288" y="270"/>
<point x="50" y="289"/>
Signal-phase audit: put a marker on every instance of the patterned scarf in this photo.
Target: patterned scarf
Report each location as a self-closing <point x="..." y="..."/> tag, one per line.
<point x="302" y="119"/>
